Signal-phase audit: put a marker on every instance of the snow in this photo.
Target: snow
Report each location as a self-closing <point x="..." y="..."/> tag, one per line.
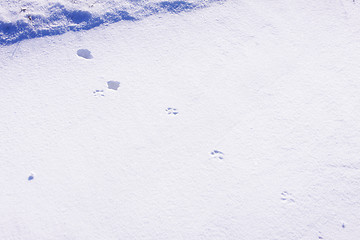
<point x="27" y="19"/>
<point x="237" y="120"/>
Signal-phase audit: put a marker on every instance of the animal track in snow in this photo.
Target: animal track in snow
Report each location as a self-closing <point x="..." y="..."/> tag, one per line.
<point x="98" y="93"/>
<point x="287" y="197"/>
<point x="114" y="85"/>
<point x="216" y="154"/>
<point x="84" y="53"/>
<point x="172" y="111"/>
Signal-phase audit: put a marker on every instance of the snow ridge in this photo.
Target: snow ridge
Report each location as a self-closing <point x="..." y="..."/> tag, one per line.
<point x="57" y="18"/>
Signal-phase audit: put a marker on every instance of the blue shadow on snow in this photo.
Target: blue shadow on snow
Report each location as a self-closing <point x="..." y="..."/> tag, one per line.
<point x="34" y="26"/>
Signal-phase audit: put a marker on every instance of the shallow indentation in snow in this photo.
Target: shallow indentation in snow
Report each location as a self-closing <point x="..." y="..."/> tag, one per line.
<point x="114" y="85"/>
<point x="84" y="53"/>
<point x="31" y="176"/>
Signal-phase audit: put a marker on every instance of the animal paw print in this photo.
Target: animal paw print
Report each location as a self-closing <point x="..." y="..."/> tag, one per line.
<point x="287" y="197"/>
<point x="172" y="111"/>
<point x="217" y="154"/>
<point x="98" y="93"/>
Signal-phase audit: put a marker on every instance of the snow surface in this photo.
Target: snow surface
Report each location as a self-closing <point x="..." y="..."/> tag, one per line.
<point x="27" y="19"/>
<point x="235" y="121"/>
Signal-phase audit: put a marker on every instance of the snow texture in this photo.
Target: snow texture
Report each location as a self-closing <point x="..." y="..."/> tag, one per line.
<point x="27" y="19"/>
<point x="236" y="121"/>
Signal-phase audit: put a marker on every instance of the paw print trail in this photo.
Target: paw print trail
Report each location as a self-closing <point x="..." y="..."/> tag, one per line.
<point x="216" y="154"/>
<point x="172" y="111"/>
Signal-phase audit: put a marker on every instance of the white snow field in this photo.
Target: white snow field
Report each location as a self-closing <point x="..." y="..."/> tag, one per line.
<point x="235" y="121"/>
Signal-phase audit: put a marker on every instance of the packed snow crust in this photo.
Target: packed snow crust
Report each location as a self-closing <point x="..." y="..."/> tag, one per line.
<point x="27" y="19"/>
<point x="237" y="121"/>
